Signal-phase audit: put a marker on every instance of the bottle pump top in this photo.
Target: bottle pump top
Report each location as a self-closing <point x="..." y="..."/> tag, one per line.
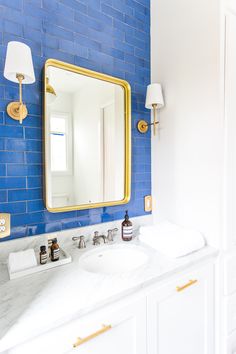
<point x="126" y="215"/>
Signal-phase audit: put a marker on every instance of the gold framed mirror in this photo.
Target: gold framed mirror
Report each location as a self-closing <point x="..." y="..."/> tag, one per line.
<point x="87" y="138"/>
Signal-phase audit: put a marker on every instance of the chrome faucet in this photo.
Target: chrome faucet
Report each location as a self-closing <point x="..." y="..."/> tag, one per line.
<point x="110" y="234"/>
<point x="97" y="238"/>
<point x="81" y="239"/>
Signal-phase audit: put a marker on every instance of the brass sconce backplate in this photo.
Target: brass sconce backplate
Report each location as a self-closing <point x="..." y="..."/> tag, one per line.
<point x="13" y="110"/>
<point x="142" y="126"/>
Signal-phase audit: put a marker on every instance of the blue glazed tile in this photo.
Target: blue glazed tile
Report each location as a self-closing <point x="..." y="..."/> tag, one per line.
<point x="24" y="194"/>
<point x="135" y="42"/>
<point x="106" y="9"/>
<point x="53" y="227"/>
<point x="100" y="16"/>
<point x="33" y="157"/>
<point x="123" y="7"/>
<point x="3" y="196"/>
<point x="12" y="27"/>
<point x="12" y="182"/>
<point x="2" y="144"/>
<point x="36" y="229"/>
<point x="57" y="31"/>
<point x="59" y="216"/>
<point x="11" y="132"/>
<point x="87" y="42"/>
<point x="75" y="4"/>
<point x="1" y="117"/>
<point x="50" y="41"/>
<point x="15" y="144"/>
<point x="15" y="4"/>
<point x="65" y="10"/>
<point x="82" y="19"/>
<point x="11" y="157"/>
<point x="33" y="133"/>
<point x="3" y="170"/>
<point x="103" y="35"/>
<point x="13" y="208"/>
<point x="19" y="231"/>
<point x="34" y="182"/>
<point x="35" y="205"/>
<point x="137" y="6"/>
<point x="70" y="224"/>
<point x="36" y="217"/>
<point x="34" y="170"/>
<point x="24" y="170"/>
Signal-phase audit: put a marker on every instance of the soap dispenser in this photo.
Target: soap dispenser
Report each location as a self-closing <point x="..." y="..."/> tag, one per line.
<point x="127" y="228"/>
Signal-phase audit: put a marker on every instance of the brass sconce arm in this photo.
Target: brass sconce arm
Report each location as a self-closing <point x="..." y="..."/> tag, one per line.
<point x="142" y="125"/>
<point x="17" y="109"/>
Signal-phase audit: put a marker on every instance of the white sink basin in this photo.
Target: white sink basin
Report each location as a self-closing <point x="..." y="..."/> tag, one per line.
<point x="114" y="259"/>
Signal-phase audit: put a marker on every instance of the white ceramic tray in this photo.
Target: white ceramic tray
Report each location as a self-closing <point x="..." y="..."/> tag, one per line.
<point x="64" y="259"/>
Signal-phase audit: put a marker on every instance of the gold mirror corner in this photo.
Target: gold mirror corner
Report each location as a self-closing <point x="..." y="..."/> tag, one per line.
<point x="87" y="138"/>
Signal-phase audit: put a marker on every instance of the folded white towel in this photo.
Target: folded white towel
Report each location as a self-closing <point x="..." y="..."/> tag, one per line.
<point x="21" y="260"/>
<point x="172" y="240"/>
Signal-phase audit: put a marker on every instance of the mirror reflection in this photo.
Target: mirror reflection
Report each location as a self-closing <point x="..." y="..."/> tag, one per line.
<point x="85" y="140"/>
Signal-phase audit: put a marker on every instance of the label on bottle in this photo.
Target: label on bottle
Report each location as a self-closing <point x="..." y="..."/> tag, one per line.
<point x="55" y="254"/>
<point x="127" y="231"/>
<point x="43" y="258"/>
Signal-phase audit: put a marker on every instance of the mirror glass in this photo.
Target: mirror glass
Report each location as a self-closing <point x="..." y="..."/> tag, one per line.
<point x="87" y="138"/>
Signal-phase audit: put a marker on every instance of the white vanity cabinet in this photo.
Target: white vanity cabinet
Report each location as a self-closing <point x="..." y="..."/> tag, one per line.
<point x="180" y="315"/>
<point x="119" y="328"/>
<point x="172" y="316"/>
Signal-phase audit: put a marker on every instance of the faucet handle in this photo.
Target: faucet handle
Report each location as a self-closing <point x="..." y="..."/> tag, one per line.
<point x="110" y="236"/>
<point x="96" y="238"/>
<point x="82" y="243"/>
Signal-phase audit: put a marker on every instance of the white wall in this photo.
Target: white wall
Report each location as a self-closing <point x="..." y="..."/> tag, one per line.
<point x="187" y="153"/>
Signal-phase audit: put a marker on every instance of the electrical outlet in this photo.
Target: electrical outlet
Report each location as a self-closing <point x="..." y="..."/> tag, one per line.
<point x="5" y="225"/>
<point x="148" y="203"/>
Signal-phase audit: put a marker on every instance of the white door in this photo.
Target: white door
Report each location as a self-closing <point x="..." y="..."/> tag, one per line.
<point x="116" y="329"/>
<point x="180" y="315"/>
<point x="230" y="122"/>
<point x="109" y="146"/>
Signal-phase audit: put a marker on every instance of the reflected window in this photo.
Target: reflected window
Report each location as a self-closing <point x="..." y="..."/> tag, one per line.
<point x="59" y="142"/>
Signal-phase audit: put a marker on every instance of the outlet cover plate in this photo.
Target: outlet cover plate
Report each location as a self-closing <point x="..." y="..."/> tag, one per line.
<point x="148" y="203"/>
<point x="5" y="225"/>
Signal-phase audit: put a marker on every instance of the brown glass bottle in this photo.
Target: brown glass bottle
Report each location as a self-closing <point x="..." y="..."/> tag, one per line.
<point x="127" y="228"/>
<point x="43" y="255"/>
<point x="55" y="251"/>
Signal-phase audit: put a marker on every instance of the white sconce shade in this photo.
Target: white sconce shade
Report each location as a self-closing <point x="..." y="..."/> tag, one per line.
<point x="19" y="61"/>
<point x="154" y="96"/>
<point x="154" y="101"/>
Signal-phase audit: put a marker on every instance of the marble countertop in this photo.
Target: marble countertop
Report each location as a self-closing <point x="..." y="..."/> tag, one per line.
<point x="26" y="303"/>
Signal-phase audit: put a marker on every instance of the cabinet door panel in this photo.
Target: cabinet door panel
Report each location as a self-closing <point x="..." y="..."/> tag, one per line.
<point x="126" y="336"/>
<point x="181" y="322"/>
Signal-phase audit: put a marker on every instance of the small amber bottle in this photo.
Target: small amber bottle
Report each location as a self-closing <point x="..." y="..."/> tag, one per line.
<point x="43" y="255"/>
<point x="127" y="228"/>
<point x="55" y="251"/>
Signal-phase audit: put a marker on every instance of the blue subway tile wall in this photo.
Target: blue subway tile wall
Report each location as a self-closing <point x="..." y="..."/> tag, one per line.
<point x="110" y="36"/>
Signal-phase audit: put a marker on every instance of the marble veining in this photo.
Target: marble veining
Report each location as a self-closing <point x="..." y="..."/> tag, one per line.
<point x="26" y="303"/>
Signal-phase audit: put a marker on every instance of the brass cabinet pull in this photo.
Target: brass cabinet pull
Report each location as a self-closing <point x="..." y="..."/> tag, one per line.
<point x="91" y="336"/>
<point x="181" y="288"/>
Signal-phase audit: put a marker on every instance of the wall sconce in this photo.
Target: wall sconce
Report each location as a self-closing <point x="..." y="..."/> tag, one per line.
<point x="50" y="92"/>
<point x="18" y="68"/>
<point x="154" y="100"/>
